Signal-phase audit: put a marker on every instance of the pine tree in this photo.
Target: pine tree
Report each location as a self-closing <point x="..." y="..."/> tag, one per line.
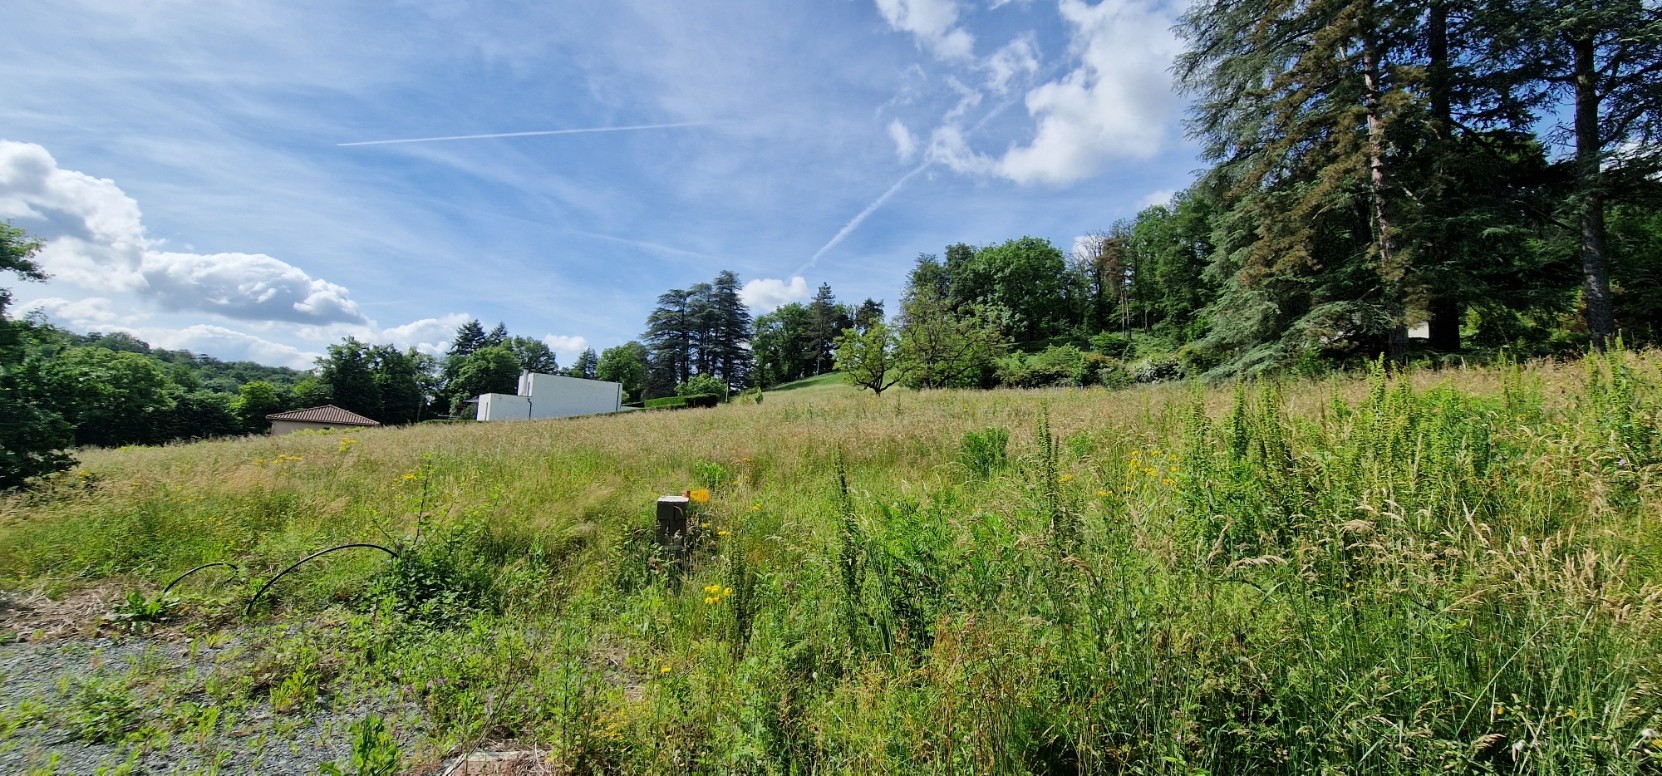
<point x="670" y="334"/>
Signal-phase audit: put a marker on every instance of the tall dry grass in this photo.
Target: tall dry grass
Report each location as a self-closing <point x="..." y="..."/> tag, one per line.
<point x="1449" y="571"/>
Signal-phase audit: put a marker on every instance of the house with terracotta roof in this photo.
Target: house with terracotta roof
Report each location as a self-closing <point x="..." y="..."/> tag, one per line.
<point x="327" y="416"/>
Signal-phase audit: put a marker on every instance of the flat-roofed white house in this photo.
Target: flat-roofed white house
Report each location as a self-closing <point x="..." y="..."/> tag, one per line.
<point x="552" y="396"/>
<point x="327" y="416"/>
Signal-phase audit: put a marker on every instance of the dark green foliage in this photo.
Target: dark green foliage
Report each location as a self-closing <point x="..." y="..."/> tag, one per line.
<point x="983" y="453"/>
<point x="1024" y="277"/>
<point x="625" y="364"/>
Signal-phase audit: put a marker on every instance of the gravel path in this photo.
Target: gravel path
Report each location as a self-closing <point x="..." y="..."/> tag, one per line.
<point x="102" y="704"/>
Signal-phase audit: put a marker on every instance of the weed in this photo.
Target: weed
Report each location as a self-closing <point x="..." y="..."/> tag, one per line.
<point x="138" y="613"/>
<point x="374" y="751"/>
<point x="982" y="453"/>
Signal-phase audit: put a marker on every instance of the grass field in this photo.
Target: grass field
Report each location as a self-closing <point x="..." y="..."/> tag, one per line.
<point x="1456" y="571"/>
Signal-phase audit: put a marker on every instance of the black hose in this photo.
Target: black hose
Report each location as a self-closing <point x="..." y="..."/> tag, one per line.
<point x="250" y="608"/>
<point x="181" y="577"/>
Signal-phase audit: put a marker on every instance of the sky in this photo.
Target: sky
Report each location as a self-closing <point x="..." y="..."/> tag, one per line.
<point x="258" y="179"/>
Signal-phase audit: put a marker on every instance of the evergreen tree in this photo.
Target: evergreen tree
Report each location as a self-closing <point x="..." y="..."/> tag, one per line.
<point x="826" y="321"/>
<point x="729" y="345"/>
<point x="670" y="335"/>
<point x="469" y="337"/>
<point x="869" y="314"/>
<point x="1604" y="57"/>
<point x="585" y="365"/>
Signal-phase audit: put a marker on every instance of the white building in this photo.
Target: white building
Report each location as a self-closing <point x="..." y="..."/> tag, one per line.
<point x="552" y="396"/>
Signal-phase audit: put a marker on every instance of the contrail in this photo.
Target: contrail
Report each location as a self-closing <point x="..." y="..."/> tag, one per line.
<point x="536" y="133"/>
<point x="854" y="223"/>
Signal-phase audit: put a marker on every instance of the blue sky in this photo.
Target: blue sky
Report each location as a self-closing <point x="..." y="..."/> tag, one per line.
<point x="211" y="175"/>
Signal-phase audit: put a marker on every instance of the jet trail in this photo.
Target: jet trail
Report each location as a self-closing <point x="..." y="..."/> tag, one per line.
<point x="854" y="223"/>
<point x="536" y="133"/>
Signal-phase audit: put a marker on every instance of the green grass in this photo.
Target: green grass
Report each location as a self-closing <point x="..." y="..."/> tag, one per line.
<point x="1433" y="572"/>
<point x="832" y="381"/>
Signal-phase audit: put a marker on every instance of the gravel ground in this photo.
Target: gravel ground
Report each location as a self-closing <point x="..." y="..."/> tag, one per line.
<point x="53" y="692"/>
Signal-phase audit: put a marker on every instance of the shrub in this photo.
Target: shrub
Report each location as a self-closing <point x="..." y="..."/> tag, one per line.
<point x="984" y="452"/>
<point x="701" y="385"/>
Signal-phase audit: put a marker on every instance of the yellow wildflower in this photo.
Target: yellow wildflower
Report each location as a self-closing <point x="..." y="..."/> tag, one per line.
<point x="664" y="670"/>
<point x="1102" y="493"/>
<point x="699" y="496"/>
<point x="724" y="532"/>
<point x="1066" y="477"/>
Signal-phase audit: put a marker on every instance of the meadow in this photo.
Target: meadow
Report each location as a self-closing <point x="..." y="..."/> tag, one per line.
<point x="1455" y="571"/>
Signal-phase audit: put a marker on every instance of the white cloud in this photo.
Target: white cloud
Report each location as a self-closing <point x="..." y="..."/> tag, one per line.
<point x="428" y="335"/>
<point x="253" y="287"/>
<point x="228" y="345"/>
<point x="948" y="146"/>
<point x="95" y="238"/>
<point x="933" y="23"/>
<point x="1161" y="197"/>
<point x="93" y="313"/>
<point x="905" y="143"/>
<point x="1018" y="58"/>
<point x="764" y="295"/>
<point x="566" y="348"/>
<point x="1117" y="103"/>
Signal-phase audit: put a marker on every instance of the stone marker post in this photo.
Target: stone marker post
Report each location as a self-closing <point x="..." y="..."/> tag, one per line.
<point x="672" y="528"/>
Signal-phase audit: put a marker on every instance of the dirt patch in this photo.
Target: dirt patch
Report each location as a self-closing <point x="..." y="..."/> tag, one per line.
<point x="32" y="616"/>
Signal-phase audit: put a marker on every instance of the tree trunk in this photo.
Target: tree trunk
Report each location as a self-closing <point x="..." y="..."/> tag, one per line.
<point x="1444" y="301"/>
<point x="1595" y="269"/>
<point x="1391" y="275"/>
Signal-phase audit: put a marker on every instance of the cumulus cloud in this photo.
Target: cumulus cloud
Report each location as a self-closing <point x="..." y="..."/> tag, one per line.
<point x="93" y="313"/>
<point x="566" y="348"/>
<point x="94" y="238"/>
<point x="1118" y="102"/>
<point x="933" y="23"/>
<point x="247" y="286"/>
<point x="764" y="295"/>
<point x="428" y="335"/>
<point x="905" y="143"/>
<point x="229" y="345"/>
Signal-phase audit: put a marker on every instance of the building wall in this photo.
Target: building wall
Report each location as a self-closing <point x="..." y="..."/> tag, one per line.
<point x="552" y="396"/>
<point x="281" y="427"/>
<point x="502" y="406"/>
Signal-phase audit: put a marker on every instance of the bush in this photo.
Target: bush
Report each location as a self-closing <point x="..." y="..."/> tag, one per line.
<point x="983" y="452"/>
<point x="701" y="385"/>
<point x="1155" y="369"/>
<point x="1107" y="372"/>
<point x="1057" y="365"/>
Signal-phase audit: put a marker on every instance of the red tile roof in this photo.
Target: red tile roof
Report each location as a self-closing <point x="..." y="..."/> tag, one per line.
<point x="328" y="413"/>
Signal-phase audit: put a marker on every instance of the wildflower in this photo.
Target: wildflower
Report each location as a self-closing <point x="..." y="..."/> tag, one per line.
<point x="408" y="476"/>
<point x="1066" y="477"/>
<point x="1102" y="494"/>
<point x="1151" y="471"/>
<point x="710" y="599"/>
<point x="664" y="670"/>
<point x="724" y="532"/>
<point x="727" y="592"/>
<point x="699" y="496"/>
<point x="1168" y="482"/>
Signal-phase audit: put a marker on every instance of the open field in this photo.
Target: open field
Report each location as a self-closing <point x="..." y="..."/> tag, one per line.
<point x="1457" y="571"/>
